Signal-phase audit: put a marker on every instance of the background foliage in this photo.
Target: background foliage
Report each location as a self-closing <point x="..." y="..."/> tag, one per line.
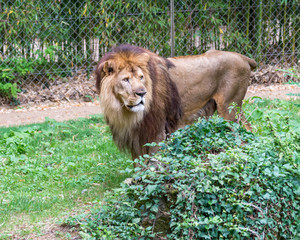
<point x="43" y="40"/>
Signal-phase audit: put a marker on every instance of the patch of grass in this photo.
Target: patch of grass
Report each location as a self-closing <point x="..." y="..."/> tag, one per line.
<point x="50" y="167"/>
<point x="293" y="83"/>
<point x="294" y="94"/>
<point x="269" y="116"/>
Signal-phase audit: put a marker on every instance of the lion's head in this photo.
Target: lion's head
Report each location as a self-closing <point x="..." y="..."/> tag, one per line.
<point x="140" y="102"/>
<point x="130" y="88"/>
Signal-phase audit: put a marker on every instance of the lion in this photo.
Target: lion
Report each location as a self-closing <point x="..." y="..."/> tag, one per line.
<point x="145" y="97"/>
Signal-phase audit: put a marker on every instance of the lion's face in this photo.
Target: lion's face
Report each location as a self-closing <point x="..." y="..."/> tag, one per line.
<point x="125" y="87"/>
<point x="130" y="89"/>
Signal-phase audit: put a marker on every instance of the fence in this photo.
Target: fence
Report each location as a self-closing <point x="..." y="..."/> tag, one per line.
<point x="46" y="40"/>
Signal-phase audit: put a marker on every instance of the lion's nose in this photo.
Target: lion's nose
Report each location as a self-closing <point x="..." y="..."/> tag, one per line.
<point x="141" y="92"/>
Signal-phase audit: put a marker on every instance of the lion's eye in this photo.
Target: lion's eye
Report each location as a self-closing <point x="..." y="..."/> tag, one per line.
<point x="141" y="77"/>
<point x="125" y="79"/>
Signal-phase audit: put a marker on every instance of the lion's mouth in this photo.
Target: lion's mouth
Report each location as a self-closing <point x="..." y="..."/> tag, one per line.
<point x="137" y="107"/>
<point x="132" y="106"/>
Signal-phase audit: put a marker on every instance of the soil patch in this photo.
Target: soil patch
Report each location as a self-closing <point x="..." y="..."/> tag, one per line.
<point x="37" y="113"/>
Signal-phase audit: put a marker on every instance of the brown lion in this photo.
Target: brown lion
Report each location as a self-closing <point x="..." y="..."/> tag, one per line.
<point x="145" y="97"/>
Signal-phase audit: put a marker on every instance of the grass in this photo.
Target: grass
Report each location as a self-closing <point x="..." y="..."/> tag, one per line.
<point x="49" y="168"/>
<point x="275" y="115"/>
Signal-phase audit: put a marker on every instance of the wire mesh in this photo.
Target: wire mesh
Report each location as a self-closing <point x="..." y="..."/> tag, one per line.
<point x="265" y="30"/>
<point x="47" y="40"/>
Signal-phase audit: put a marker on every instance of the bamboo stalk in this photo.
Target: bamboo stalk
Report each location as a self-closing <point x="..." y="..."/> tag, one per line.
<point x="284" y="32"/>
<point x="269" y="26"/>
<point x="172" y="29"/>
<point x="259" y="30"/>
<point x="235" y="22"/>
<point x="78" y="45"/>
<point x="228" y="23"/>
<point x="248" y="19"/>
<point x="275" y="25"/>
<point x="280" y="26"/>
<point x="294" y="35"/>
<point x="89" y="44"/>
<point x="2" y="40"/>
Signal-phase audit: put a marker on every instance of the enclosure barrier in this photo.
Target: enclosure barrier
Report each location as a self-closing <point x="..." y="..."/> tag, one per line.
<point x="42" y="41"/>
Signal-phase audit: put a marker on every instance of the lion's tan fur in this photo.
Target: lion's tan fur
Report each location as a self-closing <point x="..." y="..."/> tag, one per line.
<point x="211" y="81"/>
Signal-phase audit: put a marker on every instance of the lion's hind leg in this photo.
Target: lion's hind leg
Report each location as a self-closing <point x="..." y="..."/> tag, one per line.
<point x="232" y="111"/>
<point x="207" y="111"/>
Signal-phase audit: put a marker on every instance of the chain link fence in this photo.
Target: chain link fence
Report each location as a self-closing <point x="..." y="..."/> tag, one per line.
<point x="44" y="42"/>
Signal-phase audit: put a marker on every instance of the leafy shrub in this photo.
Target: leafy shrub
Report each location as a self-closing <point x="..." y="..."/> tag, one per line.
<point x="15" y="142"/>
<point x="211" y="180"/>
<point x="8" y="90"/>
<point x="13" y="71"/>
<point x="292" y="73"/>
<point x="277" y="119"/>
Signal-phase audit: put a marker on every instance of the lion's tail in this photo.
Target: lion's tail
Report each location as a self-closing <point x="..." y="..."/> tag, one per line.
<point x="251" y="62"/>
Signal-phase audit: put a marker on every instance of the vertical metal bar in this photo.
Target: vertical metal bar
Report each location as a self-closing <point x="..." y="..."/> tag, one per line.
<point x="172" y="28"/>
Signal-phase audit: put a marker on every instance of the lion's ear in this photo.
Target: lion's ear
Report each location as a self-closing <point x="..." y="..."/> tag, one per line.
<point x="144" y="58"/>
<point x="103" y="69"/>
<point x="108" y="68"/>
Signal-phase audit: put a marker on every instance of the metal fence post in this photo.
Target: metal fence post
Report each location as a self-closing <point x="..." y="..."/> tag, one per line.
<point x="172" y="28"/>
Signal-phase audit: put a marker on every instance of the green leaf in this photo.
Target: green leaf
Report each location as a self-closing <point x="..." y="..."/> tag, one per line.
<point x="276" y="171"/>
<point x="154" y="208"/>
<point x="150" y="189"/>
<point x="136" y="220"/>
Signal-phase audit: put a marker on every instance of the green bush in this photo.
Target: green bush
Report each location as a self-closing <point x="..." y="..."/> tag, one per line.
<point x="211" y="180"/>
<point x="41" y="67"/>
<point x="8" y="90"/>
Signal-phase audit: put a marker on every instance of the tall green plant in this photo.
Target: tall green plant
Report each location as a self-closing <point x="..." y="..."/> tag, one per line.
<point x="284" y="26"/>
<point x="15" y="71"/>
<point x="260" y="29"/>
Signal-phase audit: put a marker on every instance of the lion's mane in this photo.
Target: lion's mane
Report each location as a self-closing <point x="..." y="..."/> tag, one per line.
<point x="131" y="131"/>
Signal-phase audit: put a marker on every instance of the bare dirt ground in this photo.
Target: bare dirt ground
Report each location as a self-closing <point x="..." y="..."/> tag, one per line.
<point x="66" y="110"/>
<point x="36" y="113"/>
